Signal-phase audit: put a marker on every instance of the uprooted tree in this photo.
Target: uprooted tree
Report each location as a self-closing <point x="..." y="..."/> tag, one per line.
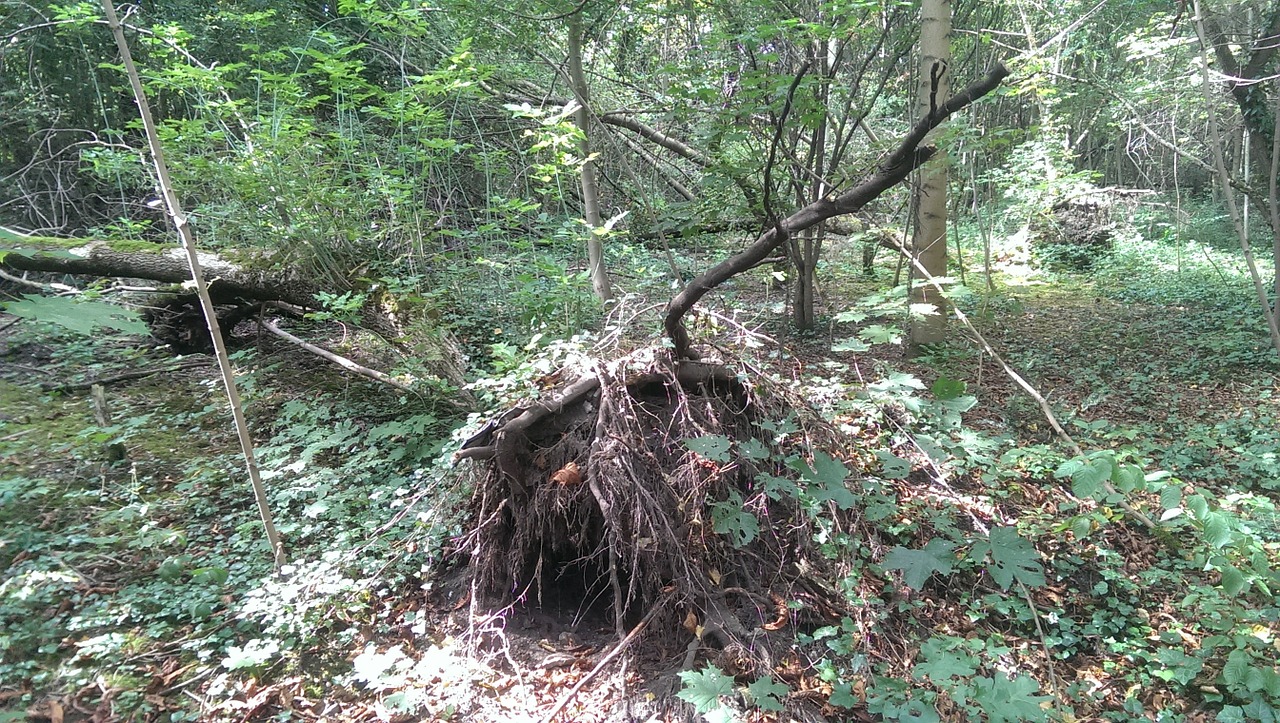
<point x="663" y="483"/>
<point x="673" y="487"/>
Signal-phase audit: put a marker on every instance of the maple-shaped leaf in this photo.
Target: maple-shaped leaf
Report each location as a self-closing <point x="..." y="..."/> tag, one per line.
<point x="825" y="479"/>
<point x="767" y="694"/>
<point x="1010" y="701"/>
<point x="703" y="688"/>
<point x="918" y="565"/>
<point x="714" y="447"/>
<point x="941" y="661"/>
<point x="1012" y="558"/>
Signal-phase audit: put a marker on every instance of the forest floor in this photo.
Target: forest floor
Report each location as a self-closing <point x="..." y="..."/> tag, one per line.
<point x="137" y="585"/>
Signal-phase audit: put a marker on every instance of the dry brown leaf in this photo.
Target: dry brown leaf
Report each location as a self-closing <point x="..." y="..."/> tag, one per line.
<point x="568" y="475"/>
<point x="691" y="621"/>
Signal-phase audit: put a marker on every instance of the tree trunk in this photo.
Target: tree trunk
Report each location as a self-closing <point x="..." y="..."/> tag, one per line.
<point x="96" y="258"/>
<point x="590" y="189"/>
<point x="908" y="156"/>
<point x="930" y="239"/>
<point x="809" y="249"/>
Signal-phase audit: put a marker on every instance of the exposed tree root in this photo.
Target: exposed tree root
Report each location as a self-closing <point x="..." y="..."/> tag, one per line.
<point x="594" y="495"/>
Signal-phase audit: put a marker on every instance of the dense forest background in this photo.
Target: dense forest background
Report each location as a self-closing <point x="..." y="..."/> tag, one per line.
<point x="843" y="360"/>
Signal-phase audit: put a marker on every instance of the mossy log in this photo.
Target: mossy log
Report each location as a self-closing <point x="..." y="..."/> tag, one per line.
<point x="166" y="265"/>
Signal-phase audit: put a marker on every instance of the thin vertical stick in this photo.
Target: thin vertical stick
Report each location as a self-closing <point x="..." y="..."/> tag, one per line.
<point x="197" y="274"/>
<point x="1242" y="232"/>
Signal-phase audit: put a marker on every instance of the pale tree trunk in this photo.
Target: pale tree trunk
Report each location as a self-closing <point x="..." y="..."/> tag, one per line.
<point x="1216" y="134"/>
<point x="187" y="238"/>
<point x="930" y="240"/>
<point x="590" y="190"/>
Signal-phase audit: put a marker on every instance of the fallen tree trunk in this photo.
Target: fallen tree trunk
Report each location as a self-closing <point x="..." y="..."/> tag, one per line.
<point x="227" y="281"/>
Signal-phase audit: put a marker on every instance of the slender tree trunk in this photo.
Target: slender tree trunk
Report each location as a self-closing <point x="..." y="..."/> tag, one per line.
<point x="590" y="189"/>
<point x="202" y="289"/>
<point x="1217" y="142"/>
<point x="811" y="243"/>
<point x="929" y="242"/>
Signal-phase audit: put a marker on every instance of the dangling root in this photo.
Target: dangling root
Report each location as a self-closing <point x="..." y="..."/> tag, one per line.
<point x="597" y="484"/>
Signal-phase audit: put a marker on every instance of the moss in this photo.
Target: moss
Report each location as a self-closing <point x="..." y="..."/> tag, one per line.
<point x="35" y="245"/>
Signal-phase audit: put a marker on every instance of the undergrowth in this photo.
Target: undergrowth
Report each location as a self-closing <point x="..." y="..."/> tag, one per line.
<point x="992" y="574"/>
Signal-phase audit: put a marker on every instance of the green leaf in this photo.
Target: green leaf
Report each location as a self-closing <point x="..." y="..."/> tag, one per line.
<point x="767" y="694"/>
<point x="209" y="575"/>
<point x="1081" y="527"/>
<point x="1127" y="477"/>
<point x="825" y="479"/>
<point x="752" y="449"/>
<point x="941" y="663"/>
<point x="729" y="518"/>
<point x="1013" y="558"/>
<point x="1237" y="667"/>
<point x="82" y="317"/>
<point x="714" y="447"/>
<point x="918" y="565"/>
<point x="315" y="509"/>
<point x="1170" y="497"/>
<point x="893" y="466"/>
<point x="777" y="487"/>
<point x="703" y="688"/>
<point x="1070" y="467"/>
<point x="842" y="696"/>
<point x="881" y="334"/>
<point x="8" y="235"/>
<point x="1010" y="701"/>
<point x="1232" y="580"/>
<point x="1198" y="505"/>
<point x="1088" y="480"/>
<point x="1255" y="680"/>
<point x="1217" y="531"/>
<point x="946" y="388"/>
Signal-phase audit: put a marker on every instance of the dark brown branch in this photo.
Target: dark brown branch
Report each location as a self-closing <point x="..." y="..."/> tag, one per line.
<point x="908" y="156"/>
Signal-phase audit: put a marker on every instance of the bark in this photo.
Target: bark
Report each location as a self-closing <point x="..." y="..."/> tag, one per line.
<point x="226" y="280"/>
<point x="908" y="156"/>
<point x="1245" y="80"/>
<point x="590" y="188"/>
<point x="930" y="239"/>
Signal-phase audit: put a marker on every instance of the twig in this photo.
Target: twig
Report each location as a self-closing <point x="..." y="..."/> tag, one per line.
<point x="617" y="649"/>
<point x="1048" y="653"/>
<point x="341" y="361"/>
<point x="1031" y="391"/>
<point x="123" y="377"/>
<point x="35" y="284"/>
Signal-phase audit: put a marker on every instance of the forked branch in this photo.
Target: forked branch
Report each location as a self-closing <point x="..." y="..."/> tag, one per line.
<point x="908" y="156"/>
